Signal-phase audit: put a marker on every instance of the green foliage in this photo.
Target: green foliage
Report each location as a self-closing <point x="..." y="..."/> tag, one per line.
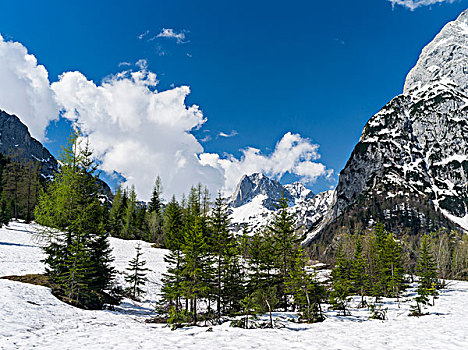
<point x="378" y="312"/>
<point x="177" y="318"/>
<point x="136" y="276"/>
<point x="427" y="271"/>
<point x="78" y="255"/>
<point x="307" y="291"/>
<point x="265" y="300"/>
<point x="341" y="284"/>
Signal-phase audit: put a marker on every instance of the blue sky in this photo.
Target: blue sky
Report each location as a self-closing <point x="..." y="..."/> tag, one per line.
<point x="257" y="69"/>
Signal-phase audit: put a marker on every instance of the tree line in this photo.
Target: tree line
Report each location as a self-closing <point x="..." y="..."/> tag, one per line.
<point x="20" y="185"/>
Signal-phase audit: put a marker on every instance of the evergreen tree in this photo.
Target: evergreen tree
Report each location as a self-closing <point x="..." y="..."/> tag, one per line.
<point x="359" y="275"/>
<point x="136" y="276"/>
<point x="77" y="252"/>
<point x="427" y="271"/>
<point x="223" y="246"/>
<point x="194" y="251"/>
<point x="116" y="214"/>
<point x="155" y="204"/>
<point x="308" y="293"/>
<point x="174" y="240"/>
<point x="129" y="216"/>
<point x="341" y="286"/>
<point x="285" y="243"/>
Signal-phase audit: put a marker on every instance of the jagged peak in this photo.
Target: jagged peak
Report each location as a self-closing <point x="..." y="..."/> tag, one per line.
<point x="445" y="58"/>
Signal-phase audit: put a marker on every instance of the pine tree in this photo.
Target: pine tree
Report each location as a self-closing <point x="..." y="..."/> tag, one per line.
<point x="359" y="276"/>
<point x="129" y="217"/>
<point x="223" y="246"/>
<point x="136" y="276"/>
<point x="341" y="286"/>
<point x="116" y="214"/>
<point x="155" y="222"/>
<point x="155" y="204"/>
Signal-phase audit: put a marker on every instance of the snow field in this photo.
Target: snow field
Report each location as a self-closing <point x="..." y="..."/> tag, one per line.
<point x="31" y="317"/>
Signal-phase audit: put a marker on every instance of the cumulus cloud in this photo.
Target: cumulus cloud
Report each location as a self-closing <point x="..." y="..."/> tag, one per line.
<point x="138" y="131"/>
<point x="172" y="34"/>
<point x="24" y="88"/>
<point x="414" y="4"/>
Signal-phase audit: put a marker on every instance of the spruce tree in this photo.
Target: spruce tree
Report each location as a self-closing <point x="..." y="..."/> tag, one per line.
<point x="194" y="251"/>
<point x="136" y="276"/>
<point x="427" y="272"/>
<point x="341" y="284"/>
<point x="359" y="274"/>
<point x="223" y="246"/>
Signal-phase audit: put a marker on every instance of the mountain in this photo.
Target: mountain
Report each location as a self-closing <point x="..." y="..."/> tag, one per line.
<point x="253" y="202"/>
<point x="17" y="142"/>
<point x="410" y="166"/>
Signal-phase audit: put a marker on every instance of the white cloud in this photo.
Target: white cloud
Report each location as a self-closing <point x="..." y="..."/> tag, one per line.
<point x="24" y="88"/>
<point x="231" y="134"/>
<point x="142" y="35"/>
<point x="138" y="131"/>
<point x="170" y="33"/>
<point x="414" y="4"/>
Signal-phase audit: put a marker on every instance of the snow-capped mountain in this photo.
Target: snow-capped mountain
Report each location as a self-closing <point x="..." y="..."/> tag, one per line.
<point x="253" y="202"/>
<point x="410" y="166"/>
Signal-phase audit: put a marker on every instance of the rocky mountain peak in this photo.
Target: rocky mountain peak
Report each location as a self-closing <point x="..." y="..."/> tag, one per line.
<point x="250" y="186"/>
<point x="17" y="142"/>
<point x="298" y="190"/>
<point x="444" y="60"/>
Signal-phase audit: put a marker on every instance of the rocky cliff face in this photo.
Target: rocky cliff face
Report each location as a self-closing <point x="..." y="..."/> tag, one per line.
<point x="410" y="167"/>
<point x="17" y="142"/>
<point x="251" y="186"/>
<point x="253" y="202"/>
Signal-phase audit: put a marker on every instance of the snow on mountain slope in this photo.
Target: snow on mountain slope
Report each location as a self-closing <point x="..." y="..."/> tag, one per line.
<point x="444" y="59"/>
<point x="253" y="202"/>
<point x="31" y="317"/>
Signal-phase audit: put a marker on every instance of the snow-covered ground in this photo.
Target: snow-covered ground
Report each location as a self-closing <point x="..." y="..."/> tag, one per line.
<point x="30" y="317"/>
